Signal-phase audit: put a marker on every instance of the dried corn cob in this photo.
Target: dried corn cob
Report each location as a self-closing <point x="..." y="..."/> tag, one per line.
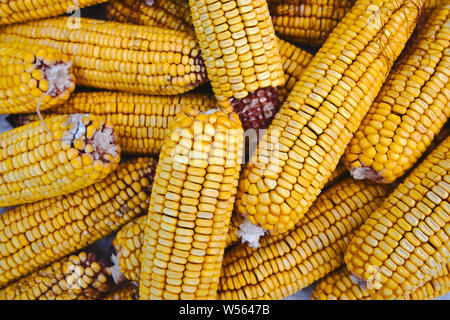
<point x="37" y="234"/>
<point x="33" y="76"/>
<point x="434" y="288"/>
<point x="405" y="242"/>
<point x="339" y="285"/>
<point x="309" y="134"/>
<point x="294" y="61"/>
<point x="283" y="264"/>
<point x="171" y="14"/>
<point x="242" y="60"/>
<point x="410" y="109"/>
<point x="13" y="11"/>
<point x="127" y="291"/>
<point x="35" y="164"/>
<point x="128" y="245"/>
<point x="242" y="229"/>
<point x="191" y="205"/>
<point x="119" y="56"/>
<point x="307" y="22"/>
<point x="78" y="277"/>
<point x="140" y="121"/>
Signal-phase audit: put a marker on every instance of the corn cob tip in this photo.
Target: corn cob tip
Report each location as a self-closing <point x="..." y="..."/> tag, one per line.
<point x="58" y="75"/>
<point x="363" y="172"/>
<point x="99" y="138"/>
<point x="250" y="233"/>
<point x="117" y="275"/>
<point x="258" y="108"/>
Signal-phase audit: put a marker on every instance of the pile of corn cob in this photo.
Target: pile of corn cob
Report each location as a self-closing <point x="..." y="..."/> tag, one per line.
<point x="225" y="149"/>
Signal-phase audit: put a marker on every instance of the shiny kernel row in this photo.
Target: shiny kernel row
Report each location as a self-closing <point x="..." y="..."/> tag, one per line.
<point x="37" y="234"/>
<point x="309" y="134"/>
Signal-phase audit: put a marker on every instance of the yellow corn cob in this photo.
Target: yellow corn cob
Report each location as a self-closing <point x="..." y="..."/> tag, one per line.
<point x="339" y="285"/>
<point x="128" y="246"/>
<point x="434" y="288"/>
<point x="119" y="56"/>
<point x="284" y="264"/>
<point x="32" y="76"/>
<point x="13" y="11"/>
<point x="410" y="109"/>
<point x="190" y="206"/>
<point x="307" y="22"/>
<point x="242" y="60"/>
<point x="294" y="61"/>
<point x="309" y="134"/>
<point x="35" y="164"/>
<point x="78" y="277"/>
<point x="140" y="121"/>
<point x="37" y="234"/>
<point x="172" y="14"/>
<point x="234" y="235"/>
<point x="405" y="242"/>
<point x="127" y="291"/>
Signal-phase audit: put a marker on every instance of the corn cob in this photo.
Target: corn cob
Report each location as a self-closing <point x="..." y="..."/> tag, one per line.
<point x="405" y="242"/>
<point x="239" y="47"/>
<point x="119" y="56"/>
<point x="128" y="291"/>
<point x="410" y="109"/>
<point x="241" y="229"/>
<point x="171" y="14"/>
<point x="307" y="22"/>
<point x="37" y="234"/>
<point x="190" y="206"/>
<point x="78" y="277"/>
<point x="32" y="76"/>
<point x="140" y="121"/>
<point x="339" y="285"/>
<point x="128" y="246"/>
<point x="35" y="164"/>
<point x="283" y="264"/>
<point x="13" y="11"/>
<point x="309" y="134"/>
<point x="294" y="60"/>
<point x="434" y="288"/>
